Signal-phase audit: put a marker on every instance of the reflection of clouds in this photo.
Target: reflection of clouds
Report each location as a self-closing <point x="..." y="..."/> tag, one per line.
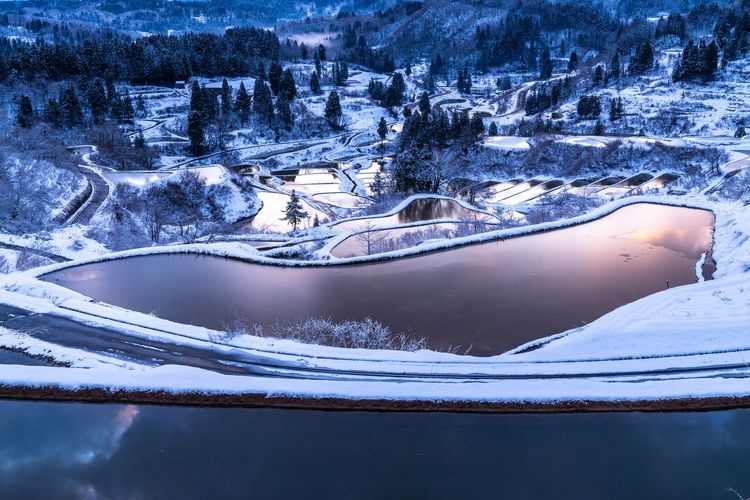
<point x="689" y="242"/>
<point x="83" y="273"/>
<point x="63" y="434"/>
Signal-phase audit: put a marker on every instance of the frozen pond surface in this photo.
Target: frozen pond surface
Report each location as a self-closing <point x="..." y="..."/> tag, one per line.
<point x="65" y="450"/>
<point x="492" y="296"/>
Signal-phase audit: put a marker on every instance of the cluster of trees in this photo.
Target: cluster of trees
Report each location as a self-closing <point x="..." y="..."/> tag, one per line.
<point x="463" y="82"/>
<point x="358" y="52"/>
<point x="589" y="107"/>
<point x="391" y="95"/>
<point x="699" y="60"/>
<point x="425" y="134"/>
<point x="93" y="102"/>
<point x="616" y="110"/>
<point x="732" y="31"/>
<point x="643" y="59"/>
<point x="520" y="38"/>
<point x="157" y="59"/>
<point x="674" y="24"/>
<point x="548" y="96"/>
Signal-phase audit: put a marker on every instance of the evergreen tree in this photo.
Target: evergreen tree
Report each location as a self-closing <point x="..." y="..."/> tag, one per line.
<point x="382" y="128"/>
<point x="243" y="102"/>
<point x="262" y="71"/>
<point x="589" y="107"/>
<point x="643" y="60"/>
<point x="284" y="112"/>
<point x="424" y="104"/>
<point x="70" y="107"/>
<point x="287" y="86"/>
<point x="598" y="78"/>
<point x="493" y="129"/>
<point x="315" y="83"/>
<point x="25" y="112"/>
<point x="96" y="95"/>
<point x="263" y="101"/>
<point x="226" y="97"/>
<point x="303" y="50"/>
<point x="378" y="185"/>
<point x="139" y="141"/>
<point x="407" y="70"/>
<point x="322" y="52"/>
<point x="316" y="60"/>
<point x="274" y="77"/>
<point x="294" y="214"/>
<point x="52" y="113"/>
<point x="333" y="112"/>
<point x="195" y="132"/>
<point x="545" y="64"/>
<point x="573" y="62"/>
<point x="476" y="125"/>
<point x="614" y="66"/>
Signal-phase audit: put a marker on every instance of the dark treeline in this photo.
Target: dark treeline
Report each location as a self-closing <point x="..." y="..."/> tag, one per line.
<point x="157" y="60"/>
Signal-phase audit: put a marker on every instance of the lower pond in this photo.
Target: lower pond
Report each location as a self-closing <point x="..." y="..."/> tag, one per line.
<point x="492" y="296"/>
<point x="68" y="450"/>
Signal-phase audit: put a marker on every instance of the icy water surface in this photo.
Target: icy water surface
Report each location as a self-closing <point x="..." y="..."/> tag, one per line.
<point x="492" y="296"/>
<point x="65" y="450"/>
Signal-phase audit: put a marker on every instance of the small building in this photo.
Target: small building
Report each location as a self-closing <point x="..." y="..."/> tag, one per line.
<point x="180" y="84"/>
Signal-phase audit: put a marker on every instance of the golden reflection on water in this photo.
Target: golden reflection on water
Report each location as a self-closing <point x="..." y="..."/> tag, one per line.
<point x="689" y="242"/>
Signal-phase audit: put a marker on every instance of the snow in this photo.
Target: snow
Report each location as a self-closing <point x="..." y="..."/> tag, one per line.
<point x="512" y="143"/>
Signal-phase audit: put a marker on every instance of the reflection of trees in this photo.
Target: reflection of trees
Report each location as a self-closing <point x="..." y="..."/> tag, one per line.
<point x="370" y="239"/>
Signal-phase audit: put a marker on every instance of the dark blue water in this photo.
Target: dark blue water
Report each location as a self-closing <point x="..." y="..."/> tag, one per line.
<point x="53" y="450"/>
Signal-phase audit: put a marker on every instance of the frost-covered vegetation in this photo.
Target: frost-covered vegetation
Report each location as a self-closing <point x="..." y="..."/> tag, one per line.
<point x="32" y="193"/>
<point x="365" y="334"/>
<point x="181" y="208"/>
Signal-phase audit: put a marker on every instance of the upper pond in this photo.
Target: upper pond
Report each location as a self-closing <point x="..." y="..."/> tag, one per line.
<point x="492" y="296"/>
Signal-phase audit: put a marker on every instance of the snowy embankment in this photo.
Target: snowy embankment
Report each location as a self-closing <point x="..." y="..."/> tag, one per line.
<point x="175" y="384"/>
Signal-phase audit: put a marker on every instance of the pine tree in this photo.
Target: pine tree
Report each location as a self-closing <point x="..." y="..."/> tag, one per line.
<point x="424" y="104"/>
<point x="407" y="70"/>
<point x="52" y="113"/>
<point x="303" y="50"/>
<point x="493" y="129"/>
<point x="195" y="132"/>
<point x="476" y="125"/>
<point x="263" y="101"/>
<point x="315" y="83"/>
<point x="284" y="112"/>
<point x="96" y="96"/>
<point x="643" y="60"/>
<point x="573" y="62"/>
<point x="25" y="112"/>
<point x="287" y="86"/>
<point x="598" y="75"/>
<point x="226" y="97"/>
<point x="322" y="52"/>
<point x="139" y="141"/>
<point x="614" y="66"/>
<point x="316" y="60"/>
<point x="382" y="128"/>
<point x="545" y="64"/>
<point x="333" y="111"/>
<point x="294" y="213"/>
<point x="378" y="185"/>
<point x="274" y="77"/>
<point x="70" y="107"/>
<point x="243" y="102"/>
